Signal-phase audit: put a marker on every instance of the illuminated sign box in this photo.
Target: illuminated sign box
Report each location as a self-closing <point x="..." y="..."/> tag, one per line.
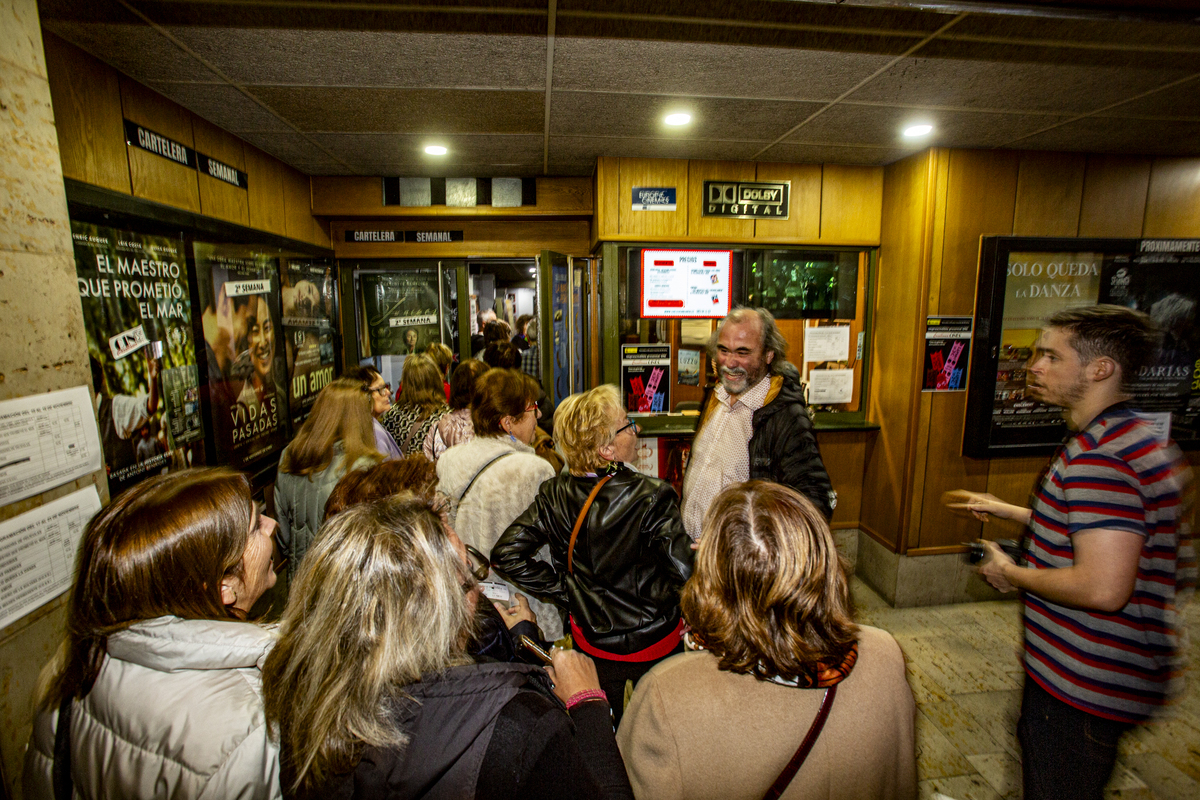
<point x="686" y="283"/>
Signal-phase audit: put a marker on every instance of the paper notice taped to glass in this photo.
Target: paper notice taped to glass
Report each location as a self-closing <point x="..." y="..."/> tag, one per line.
<point x="46" y="440"/>
<point x="830" y="386"/>
<point x="37" y="552"/>
<point x="827" y="343"/>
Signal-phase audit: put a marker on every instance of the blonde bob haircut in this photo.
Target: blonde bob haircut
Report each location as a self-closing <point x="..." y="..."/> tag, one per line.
<point x="341" y="413"/>
<point x="585" y="422"/>
<point x="379" y="600"/>
<point x="769" y="595"/>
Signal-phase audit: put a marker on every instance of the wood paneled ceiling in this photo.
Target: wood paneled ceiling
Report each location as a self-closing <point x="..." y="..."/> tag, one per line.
<point x="530" y="87"/>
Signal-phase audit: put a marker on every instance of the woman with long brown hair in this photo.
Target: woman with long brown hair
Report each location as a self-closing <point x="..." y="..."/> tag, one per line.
<point x="419" y="405"/>
<point x="776" y="652"/>
<point x="337" y="437"/>
<point x="155" y="690"/>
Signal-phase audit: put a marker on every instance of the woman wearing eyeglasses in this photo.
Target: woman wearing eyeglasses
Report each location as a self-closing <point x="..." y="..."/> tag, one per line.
<point x="335" y="439"/>
<point x="619" y="552"/>
<point x="381" y="400"/>
<point x="495" y="476"/>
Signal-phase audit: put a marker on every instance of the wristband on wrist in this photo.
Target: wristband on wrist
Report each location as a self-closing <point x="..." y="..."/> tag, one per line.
<point x="585" y="696"/>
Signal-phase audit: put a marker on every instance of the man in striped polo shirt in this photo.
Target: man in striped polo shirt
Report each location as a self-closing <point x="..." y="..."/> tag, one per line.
<point x="1099" y="588"/>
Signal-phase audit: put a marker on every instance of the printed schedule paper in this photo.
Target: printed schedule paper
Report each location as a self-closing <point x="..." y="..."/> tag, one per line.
<point x="37" y="552"/>
<point x="46" y="440"/>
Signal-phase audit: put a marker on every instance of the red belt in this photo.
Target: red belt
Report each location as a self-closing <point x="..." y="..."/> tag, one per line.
<point x="652" y="653"/>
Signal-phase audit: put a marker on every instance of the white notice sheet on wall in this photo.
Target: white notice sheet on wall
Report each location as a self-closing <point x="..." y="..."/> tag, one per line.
<point x="827" y="343"/>
<point x="830" y="386"/>
<point x="37" y="552"/>
<point x="46" y="440"/>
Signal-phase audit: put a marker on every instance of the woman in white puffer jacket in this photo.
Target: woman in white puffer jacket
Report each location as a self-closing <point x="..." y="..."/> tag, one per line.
<point x="159" y="676"/>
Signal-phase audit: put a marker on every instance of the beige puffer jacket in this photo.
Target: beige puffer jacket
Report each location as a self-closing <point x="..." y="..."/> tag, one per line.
<point x="176" y="712"/>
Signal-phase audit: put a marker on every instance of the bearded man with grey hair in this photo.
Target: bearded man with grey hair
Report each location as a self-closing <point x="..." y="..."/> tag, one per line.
<point x="755" y="424"/>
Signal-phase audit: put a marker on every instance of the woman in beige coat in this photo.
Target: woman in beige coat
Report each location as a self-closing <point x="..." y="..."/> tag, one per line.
<point x="771" y="626"/>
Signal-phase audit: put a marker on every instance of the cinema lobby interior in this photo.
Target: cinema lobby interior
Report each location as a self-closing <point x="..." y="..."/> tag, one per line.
<point x="911" y="187"/>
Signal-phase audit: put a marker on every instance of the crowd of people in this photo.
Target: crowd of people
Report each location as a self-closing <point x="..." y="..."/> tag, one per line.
<point x="478" y="606"/>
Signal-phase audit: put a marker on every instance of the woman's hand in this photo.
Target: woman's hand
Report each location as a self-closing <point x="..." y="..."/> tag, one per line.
<point x="572" y="672"/>
<point x="521" y="612"/>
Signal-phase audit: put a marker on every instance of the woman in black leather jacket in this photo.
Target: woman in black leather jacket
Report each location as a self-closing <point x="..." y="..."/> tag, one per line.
<point x="631" y="557"/>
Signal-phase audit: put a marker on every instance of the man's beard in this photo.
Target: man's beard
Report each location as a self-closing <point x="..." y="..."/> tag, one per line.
<point x="737" y="381"/>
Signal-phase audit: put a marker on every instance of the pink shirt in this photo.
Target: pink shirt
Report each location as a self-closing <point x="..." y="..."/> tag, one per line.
<point x="720" y="452"/>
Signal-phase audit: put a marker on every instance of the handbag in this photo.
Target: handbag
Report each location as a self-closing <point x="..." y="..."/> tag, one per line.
<point x="60" y="772"/>
<point x="793" y="766"/>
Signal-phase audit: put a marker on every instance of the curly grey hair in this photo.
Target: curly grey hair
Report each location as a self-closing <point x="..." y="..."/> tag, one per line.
<point x="772" y="339"/>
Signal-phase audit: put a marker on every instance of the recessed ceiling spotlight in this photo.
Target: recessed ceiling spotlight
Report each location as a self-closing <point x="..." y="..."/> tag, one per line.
<point x="677" y="119"/>
<point x="435" y="150"/>
<point x="913" y="131"/>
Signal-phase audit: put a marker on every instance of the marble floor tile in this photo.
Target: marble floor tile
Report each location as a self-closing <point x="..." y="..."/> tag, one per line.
<point x="1177" y="740"/>
<point x="936" y="756"/>
<point x="960" y="787"/>
<point x="1163" y="778"/>
<point x="1124" y="780"/>
<point x="996" y="713"/>
<point x="924" y="688"/>
<point x="1002" y="771"/>
<point x="907" y="621"/>
<point x="960" y="728"/>
<point x="955" y="664"/>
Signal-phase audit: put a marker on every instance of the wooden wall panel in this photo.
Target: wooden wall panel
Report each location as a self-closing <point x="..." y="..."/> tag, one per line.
<point x="844" y="453"/>
<point x="1049" y="194"/>
<point x="701" y="227"/>
<point x="899" y="307"/>
<point x="152" y="176"/>
<point x="86" y="94"/>
<point x="851" y="204"/>
<point x="297" y="206"/>
<point x="607" y="190"/>
<point x="267" y="211"/>
<point x="500" y="238"/>
<point x="218" y="198"/>
<point x="1173" y="201"/>
<point x="804" y="213"/>
<point x="652" y="172"/>
<point x="1114" y="196"/>
<point x="566" y="196"/>
<point x="981" y="191"/>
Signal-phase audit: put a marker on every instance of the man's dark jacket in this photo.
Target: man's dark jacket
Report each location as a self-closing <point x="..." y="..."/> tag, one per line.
<point x="782" y="446"/>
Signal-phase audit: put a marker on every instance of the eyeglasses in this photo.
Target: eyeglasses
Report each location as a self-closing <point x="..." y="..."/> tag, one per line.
<point x="531" y="407"/>
<point x="386" y="389"/>
<point x="628" y="424"/>
<point x="481" y="564"/>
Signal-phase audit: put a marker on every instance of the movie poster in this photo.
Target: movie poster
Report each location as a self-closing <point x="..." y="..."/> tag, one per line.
<point x="399" y="312"/>
<point x="646" y="378"/>
<point x="1163" y="280"/>
<point x="247" y="383"/>
<point x="309" y="306"/>
<point x="1037" y="285"/>
<point x="138" y="318"/>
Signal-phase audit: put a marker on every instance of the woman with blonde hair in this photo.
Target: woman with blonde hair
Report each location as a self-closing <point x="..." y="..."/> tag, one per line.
<point x="155" y="691"/>
<point x="373" y="694"/>
<point x="775" y="646"/>
<point x="336" y="438"/>
<point x="444" y="358"/>
<point x="618" y="551"/>
<point x="419" y="405"/>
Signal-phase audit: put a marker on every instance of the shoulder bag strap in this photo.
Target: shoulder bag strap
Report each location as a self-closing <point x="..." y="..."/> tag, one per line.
<point x="582" y="515"/>
<point x="793" y="766"/>
<point x="480" y="472"/>
<point x="60" y="773"/>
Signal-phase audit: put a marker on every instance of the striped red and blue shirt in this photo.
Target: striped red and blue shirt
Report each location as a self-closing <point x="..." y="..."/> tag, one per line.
<point x="1115" y="475"/>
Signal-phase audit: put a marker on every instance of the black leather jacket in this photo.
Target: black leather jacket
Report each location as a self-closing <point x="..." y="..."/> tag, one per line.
<point x="631" y="558"/>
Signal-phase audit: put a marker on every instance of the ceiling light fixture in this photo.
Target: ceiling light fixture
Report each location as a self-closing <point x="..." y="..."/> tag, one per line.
<point x="435" y="150"/>
<point x="677" y="119"/>
<point x="914" y="131"/>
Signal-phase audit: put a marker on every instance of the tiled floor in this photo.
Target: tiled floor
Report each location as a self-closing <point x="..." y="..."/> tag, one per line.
<point x="965" y="673"/>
